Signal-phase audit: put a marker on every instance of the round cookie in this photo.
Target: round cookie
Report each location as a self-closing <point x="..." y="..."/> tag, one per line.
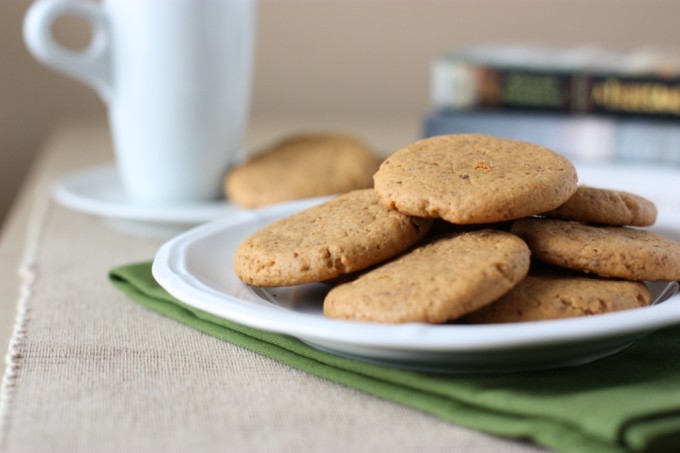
<point x="620" y="252"/>
<point x="436" y="282"/>
<point x="347" y="233"/>
<point x="472" y="178"/>
<point x="553" y="296"/>
<point x="606" y="207"/>
<point x="304" y="166"/>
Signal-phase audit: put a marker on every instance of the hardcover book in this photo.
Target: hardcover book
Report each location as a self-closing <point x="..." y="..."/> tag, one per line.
<point x="579" y="80"/>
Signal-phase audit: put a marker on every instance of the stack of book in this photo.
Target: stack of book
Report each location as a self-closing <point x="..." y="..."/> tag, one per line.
<point x="586" y="103"/>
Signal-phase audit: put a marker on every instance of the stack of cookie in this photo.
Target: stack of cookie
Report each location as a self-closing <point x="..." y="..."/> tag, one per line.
<point x="516" y="239"/>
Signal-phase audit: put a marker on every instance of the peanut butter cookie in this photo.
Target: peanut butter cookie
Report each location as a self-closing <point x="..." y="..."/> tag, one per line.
<point x="607" y="207"/>
<point x="436" y="282"/>
<point x="472" y="178"/>
<point x="346" y="234"/>
<point x="556" y="295"/>
<point x="303" y="166"/>
<point x="620" y="252"/>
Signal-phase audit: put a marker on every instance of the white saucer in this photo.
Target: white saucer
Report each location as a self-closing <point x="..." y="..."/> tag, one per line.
<point x="98" y="191"/>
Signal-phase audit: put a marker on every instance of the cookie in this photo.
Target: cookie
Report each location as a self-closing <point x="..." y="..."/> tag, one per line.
<point x="542" y="296"/>
<point x="606" y="207"/>
<point x="304" y="166"/>
<point x="609" y="251"/>
<point x="472" y="178"/>
<point x="436" y="282"/>
<point x="347" y="233"/>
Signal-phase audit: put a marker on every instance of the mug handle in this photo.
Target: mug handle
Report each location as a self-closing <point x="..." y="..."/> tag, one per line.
<point x="92" y="65"/>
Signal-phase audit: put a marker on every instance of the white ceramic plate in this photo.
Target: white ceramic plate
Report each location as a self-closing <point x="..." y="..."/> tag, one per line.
<point x="196" y="268"/>
<point x="98" y="191"/>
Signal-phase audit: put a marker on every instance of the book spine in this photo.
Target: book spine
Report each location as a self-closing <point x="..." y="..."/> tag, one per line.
<point x="458" y="84"/>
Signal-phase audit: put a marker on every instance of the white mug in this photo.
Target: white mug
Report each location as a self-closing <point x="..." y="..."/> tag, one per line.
<point x="176" y="78"/>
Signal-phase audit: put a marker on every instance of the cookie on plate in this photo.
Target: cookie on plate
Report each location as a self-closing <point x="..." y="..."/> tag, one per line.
<point x="606" y="207"/>
<point x="609" y="251"/>
<point x="347" y="233"/>
<point x="473" y="178"/>
<point x="436" y="282"/>
<point x="303" y="166"/>
<point x="556" y="295"/>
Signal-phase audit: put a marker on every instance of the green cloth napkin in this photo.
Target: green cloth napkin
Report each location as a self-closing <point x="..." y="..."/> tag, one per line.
<point x="627" y="402"/>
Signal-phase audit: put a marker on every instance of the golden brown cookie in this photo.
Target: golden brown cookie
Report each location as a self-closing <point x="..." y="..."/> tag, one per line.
<point x="620" y="252"/>
<point x="436" y="282"/>
<point x="606" y="207"/>
<point x="346" y="234"/>
<point x="542" y="296"/>
<point x="304" y="166"/>
<point x="472" y="178"/>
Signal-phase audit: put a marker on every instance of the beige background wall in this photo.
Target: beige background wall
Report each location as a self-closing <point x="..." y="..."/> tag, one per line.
<point x="329" y="58"/>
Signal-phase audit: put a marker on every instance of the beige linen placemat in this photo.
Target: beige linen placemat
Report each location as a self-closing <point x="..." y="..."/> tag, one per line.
<point x="90" y="370"/>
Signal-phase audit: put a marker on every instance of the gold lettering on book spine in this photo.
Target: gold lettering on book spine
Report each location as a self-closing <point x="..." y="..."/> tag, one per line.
<point x="637" y="97"/>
